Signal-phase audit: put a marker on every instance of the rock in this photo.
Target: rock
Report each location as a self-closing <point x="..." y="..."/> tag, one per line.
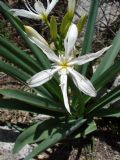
<point x="117" y="81"/>
<point x="108" y="12"/>
<point x="7" y="141"/>
<point x="82" y="8"/>
<point x="40" y="117"/>
<point x="6" y="152"/>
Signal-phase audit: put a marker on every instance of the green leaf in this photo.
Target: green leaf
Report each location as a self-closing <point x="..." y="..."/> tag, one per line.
<point x="26" y="68"/>
<point x="32" y="99"/>
<point x="109" y="112"/>
<point x="81" y="24"/>
<point x="20" y="54"/>
<point x="2" y="4"/>
<point x="43" y="60"/>
<point x="19" y="105"/>
<point x="65" y="25"/>
<point x="14" y="72"/>
<point x="21" y="77"/>
<point x="87" y="45"/>
<point x="53" y="28"/>
<point x="109" y="57"/>
<point x="108" y="75"/>
<point x="103" y="101"/>
<point x="16" y="61"/>
<point x="48" y="133"/>
<point x="91" y="128"/>
<point x="35" y="133"/>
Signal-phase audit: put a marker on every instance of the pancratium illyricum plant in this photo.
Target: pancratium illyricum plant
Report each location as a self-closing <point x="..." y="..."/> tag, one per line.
<point x="64" y="64"/>
<point x="37" y="12"/>
<point x="58" y="60"/>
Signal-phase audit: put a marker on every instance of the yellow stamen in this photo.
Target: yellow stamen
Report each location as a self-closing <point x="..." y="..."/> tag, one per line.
<point x="64" y="64"/>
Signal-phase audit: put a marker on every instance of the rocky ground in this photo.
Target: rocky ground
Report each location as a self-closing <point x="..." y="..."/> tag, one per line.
<point x="106" y="147"/>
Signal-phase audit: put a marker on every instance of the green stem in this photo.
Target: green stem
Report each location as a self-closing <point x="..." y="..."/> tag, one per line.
<point x="87" y="45"/>
<point x="45" y="20"/>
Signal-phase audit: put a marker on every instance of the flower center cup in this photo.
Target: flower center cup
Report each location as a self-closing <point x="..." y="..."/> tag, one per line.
<point x="64" y="65"/>
<point x="64" y="62"/>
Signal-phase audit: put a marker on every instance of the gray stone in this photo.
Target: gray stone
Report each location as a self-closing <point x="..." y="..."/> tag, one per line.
<point x="7" y="141"/>
<point x="6" y="152"/>
<point x="117" y="81"/>
<point x="108" y="12"/>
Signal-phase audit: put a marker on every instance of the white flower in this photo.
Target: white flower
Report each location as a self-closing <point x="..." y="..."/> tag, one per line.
<point x="38" y="12"/>
<point x="64" y="64"/>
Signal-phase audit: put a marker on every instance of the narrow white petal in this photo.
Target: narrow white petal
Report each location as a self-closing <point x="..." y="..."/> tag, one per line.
<point x="63" y="85"/>
<point x="32" y="32"/>
<point x="29" y="7"/>
<point x="36" y="38"/>
<point x="39" y="7"/>
<point x="48" y="2"/>
<point x="47" y="51"/>
<point x="88" y="57"/>
<point x="50" y="6"/>
<point x="25" y="13"/>
<point x="41" y="77"/>
<point x="70" y="39"/>
<point x="82" y="83"/>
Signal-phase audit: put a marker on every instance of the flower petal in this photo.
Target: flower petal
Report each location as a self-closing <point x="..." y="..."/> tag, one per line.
<point x="48" y="2"/>
<point x="32" y="32"/>
<point x="82" y="83"/>
<point x="50" y="6"/>
<point x="63" y="85"/>
<point x="41" y="77"/>
<point x="88" y="57"/>
<point x="39" y="7"/>
<point x="36" y="38"/>
<point x="47" y="51"/>
<point x="70" y="39"/>
<point x="25" y="13"/>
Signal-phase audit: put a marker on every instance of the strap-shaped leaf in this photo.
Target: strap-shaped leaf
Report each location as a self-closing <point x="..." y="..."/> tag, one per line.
<point x="36" y="133"/>
<point x="35" y="50"/>
<point x="48" y="133"/>
<point x="103" y="101"/>
<point x="26" y="68"/>
<point x="21" y="77"/>
<point x="110" y="112"/>
<point x="19" y="105"/>
<point x="16" y="61"/>
<point x="20" y="54"/>
<point x="109" y="57"/>
<point x="109" y="74"/>
<point x="89" y="129"/>
<point x="14" y="72"/>
<point x="32" y="99"/>
<point x="87" y="45"/>
<point x="44" y="62"/>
